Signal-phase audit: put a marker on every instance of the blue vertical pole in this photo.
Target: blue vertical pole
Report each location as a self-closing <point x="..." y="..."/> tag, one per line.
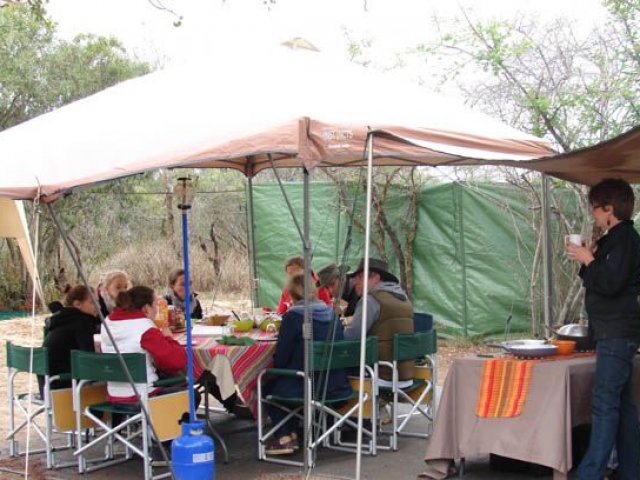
<point x="187" y="314"/>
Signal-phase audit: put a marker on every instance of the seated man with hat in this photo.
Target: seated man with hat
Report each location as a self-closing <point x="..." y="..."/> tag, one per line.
<point x="389" y="311"/>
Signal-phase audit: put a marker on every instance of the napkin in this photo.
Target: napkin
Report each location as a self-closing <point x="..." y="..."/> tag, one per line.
<point x="231" y="340"/>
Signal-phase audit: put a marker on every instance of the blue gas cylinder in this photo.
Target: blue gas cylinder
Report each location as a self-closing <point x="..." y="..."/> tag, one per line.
<point x="192" y="453"/>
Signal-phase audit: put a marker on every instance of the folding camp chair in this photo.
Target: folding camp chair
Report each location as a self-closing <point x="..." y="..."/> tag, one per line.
<point x="344" y="354"/>
<point x="164" y="411"/>
<point x="420" y="394"/>
<point x="31" y="406"/>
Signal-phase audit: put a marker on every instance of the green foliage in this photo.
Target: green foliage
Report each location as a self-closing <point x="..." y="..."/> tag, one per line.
<point x="545" y="77"/>
<point x="39" y="72"/>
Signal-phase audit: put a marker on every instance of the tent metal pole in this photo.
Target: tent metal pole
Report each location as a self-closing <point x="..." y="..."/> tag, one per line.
<point x="546" y="254"/>
<point x="365" y="291"/>
<point x="255" y="288"/>
<point x="307" y="331"/>
<point x="94" y="298"/>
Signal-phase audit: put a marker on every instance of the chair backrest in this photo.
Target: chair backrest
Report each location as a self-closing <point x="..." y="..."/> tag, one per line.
<point x="343" y="354"/>
<point x="20" y="358"/>
<point x="413" y="345"/>
<point x="106" y="367"/>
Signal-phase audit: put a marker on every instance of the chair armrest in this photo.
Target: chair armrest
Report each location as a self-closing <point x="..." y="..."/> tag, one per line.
<point x="169" y="382"/>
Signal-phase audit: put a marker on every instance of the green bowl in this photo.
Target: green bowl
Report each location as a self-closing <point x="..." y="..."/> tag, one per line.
<point x="267" y="321"/>
<point x="243" y="325"/>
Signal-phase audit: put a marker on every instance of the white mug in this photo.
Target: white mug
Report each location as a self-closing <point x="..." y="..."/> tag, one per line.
<point x="575" y="239"/>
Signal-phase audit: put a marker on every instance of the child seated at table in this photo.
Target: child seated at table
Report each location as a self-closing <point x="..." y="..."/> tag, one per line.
<point x="289" y="354"/>
<point x="295" y="266"/>
<point x="132" y="327"/>
<point x="176" y="294"/>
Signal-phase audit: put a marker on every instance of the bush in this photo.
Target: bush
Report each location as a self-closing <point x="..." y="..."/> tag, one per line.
<point x="150" y="264"/>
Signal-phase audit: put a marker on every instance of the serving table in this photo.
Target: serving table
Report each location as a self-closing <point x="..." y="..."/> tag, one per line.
<point x="559" y="399"/>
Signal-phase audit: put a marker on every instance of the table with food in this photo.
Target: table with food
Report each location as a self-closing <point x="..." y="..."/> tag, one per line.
<point x="519" y="400"/>
<point x="235" y="350"/>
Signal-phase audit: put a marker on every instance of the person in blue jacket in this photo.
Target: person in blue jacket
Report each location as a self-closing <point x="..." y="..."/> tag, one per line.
<point x="290" y="354"/>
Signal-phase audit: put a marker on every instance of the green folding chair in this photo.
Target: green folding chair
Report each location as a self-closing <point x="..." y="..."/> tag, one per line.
<point x="420" y="395"/>
<point x="344" y="354"/>
<point x="31" y="406"/>
<point x="164" y="411"/>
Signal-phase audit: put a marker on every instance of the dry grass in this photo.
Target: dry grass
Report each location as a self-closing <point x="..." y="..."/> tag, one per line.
<point x="151" y="266"/>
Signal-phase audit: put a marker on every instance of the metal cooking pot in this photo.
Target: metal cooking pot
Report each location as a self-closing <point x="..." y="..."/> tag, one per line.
<point x="578" y="334"/>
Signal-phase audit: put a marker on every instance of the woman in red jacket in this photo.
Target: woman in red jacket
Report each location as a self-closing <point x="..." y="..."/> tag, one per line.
<point x="293" y="267"/>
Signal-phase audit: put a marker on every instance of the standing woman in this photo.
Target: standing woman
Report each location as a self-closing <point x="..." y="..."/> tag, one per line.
<point x="610" y="272"/>
<point x="177" y="292"/>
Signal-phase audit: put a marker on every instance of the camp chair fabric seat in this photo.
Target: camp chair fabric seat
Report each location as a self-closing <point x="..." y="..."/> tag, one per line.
<point x="88" y="368"/>
<point x="345" y="354"/>
<point x="422" y="346"/>
<point x="34" y="361"/>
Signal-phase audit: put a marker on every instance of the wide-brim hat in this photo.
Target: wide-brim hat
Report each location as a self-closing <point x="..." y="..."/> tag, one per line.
<point x="376" y="265"/>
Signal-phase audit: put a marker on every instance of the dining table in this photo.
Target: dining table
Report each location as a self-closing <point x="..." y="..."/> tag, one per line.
<point x="236" y="367"/>
<point x="558" y="399"/>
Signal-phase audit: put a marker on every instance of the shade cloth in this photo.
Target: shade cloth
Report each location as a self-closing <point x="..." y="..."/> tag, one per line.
<point x="559" y="399"/>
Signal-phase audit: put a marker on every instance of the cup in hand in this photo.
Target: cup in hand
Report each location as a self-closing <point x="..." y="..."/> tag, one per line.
<point x="575" y="239"/>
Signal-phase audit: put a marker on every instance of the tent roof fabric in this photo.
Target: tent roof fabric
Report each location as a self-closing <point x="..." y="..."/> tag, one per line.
<point x="247" y="111"/>
<point x="618" y="157"/>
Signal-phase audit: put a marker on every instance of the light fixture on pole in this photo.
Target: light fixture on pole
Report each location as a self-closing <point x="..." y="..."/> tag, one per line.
<point x="183" y="194"/>
<point x="192" y="444"/>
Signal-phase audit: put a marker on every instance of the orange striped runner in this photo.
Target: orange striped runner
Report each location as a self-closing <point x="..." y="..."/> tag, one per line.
<point x="504" y="386"/>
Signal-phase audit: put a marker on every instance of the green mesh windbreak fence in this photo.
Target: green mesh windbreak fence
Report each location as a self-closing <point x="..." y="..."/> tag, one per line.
<point x="472" y="253"/>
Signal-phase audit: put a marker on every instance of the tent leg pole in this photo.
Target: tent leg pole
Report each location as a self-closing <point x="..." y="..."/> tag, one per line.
<point x="545" y="221"/>
<point x="307" y="331"/>
<point x="365" y="292"/>
<point x="251" y="242"/>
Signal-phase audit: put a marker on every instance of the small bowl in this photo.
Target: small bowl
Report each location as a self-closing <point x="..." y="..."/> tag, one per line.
<point x="267" y="321"/>
<point x="216" y="320"/>
<point x="243" y="325"/>
<point x="565" y="347"/>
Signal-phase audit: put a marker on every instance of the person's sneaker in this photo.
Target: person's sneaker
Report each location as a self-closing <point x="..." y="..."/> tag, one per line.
<point x="283" y="446"/>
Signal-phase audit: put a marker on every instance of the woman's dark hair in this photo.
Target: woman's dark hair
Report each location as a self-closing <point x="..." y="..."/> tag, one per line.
<point x="295" y="287"/>
<point x="615" y="192"/>
<point x="135" y="298"/>
<point x="79" y="293"/>
<point x="175" y="275"/>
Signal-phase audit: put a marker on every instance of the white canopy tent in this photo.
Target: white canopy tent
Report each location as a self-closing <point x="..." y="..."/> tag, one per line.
<point x="244" y="110"/>
<point x="249" y="111"/>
